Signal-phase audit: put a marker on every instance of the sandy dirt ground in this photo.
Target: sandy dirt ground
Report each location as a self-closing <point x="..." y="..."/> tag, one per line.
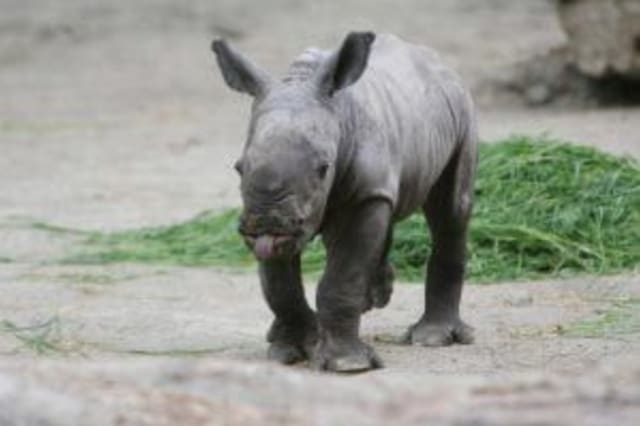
<point x="112" y="115"/>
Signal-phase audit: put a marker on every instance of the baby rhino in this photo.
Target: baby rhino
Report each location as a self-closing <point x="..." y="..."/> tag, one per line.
<point x="347" y="144"/>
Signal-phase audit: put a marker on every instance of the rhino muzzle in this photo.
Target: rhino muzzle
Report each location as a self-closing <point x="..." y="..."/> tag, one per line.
<point x="272" y="236"/>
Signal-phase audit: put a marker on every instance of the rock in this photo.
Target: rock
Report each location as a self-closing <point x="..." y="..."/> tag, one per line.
<point x="604" y="35"/>
<point x="538" y="94"/>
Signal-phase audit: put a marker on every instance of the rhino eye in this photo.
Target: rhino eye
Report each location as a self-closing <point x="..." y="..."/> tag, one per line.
<point x="322" y="170"/>
<point x="238" y="167"/>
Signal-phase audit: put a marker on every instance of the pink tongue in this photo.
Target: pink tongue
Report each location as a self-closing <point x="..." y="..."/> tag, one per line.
<point x="264" y="246"/>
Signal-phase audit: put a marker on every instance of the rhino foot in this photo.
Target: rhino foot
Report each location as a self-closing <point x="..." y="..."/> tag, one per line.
<point x="286" y="353"/>
<point x="428" y="332"/>
<point x="345" y="356"/>
<point x="290" y="344"/>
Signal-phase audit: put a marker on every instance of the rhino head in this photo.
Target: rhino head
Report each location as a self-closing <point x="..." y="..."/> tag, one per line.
<point x="289" y="161"/>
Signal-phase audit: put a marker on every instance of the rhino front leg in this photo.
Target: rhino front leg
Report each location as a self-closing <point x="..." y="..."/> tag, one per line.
<point x="293" y="333"/>
<point x="447" y="211"/>
<point x="381" y="284"/>
<point x="355" y="246"/>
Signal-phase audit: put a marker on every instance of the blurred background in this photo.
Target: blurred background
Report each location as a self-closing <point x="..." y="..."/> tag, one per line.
<point x="113" y="114"/>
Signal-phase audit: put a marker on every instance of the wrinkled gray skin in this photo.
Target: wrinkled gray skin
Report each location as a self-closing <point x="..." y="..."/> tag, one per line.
<point x="345" y="145"/>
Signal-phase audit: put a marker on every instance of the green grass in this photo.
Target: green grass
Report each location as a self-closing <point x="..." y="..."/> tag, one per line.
<point x="198" y="352"/>
<point x="621" y="318"/>
<point x="42" y="338"/>
<point x="43" y="127"/>
<point x="208" y="239"/>
<point x="55" y="229"/>
<point x="81" y="278"/>
<point x="543" y="208"/>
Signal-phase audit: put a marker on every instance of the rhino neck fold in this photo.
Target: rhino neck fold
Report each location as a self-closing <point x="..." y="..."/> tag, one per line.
<point x="346" y="111"/>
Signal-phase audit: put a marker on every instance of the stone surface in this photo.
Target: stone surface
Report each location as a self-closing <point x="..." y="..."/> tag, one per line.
<point x="140" y="345"/>
<point x="189" y="393"/>
<point x="604" y="35"/>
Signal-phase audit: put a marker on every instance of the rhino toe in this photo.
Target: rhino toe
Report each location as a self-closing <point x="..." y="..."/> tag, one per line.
<point x="285" y="353"/>
<point x="439" y="333"/>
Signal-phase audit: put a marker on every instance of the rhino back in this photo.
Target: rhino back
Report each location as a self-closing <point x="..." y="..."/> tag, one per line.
<point x="408" y="114"/>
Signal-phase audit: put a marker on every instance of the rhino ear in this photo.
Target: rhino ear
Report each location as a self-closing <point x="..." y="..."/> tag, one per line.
<point x="345" y="66"/>
<point x="239" y="72"/>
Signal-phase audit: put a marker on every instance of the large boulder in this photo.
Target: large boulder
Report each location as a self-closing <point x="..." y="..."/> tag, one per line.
<point x="604" y="35"/>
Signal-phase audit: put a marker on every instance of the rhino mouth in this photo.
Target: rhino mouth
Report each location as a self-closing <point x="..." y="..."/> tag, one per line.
<point x="272" y="236"/>
<point x="272" y="246"/>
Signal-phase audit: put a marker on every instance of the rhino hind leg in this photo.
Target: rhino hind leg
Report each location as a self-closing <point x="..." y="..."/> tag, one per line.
<point x="448" y="210"/>
<point x="293" y="333"/>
